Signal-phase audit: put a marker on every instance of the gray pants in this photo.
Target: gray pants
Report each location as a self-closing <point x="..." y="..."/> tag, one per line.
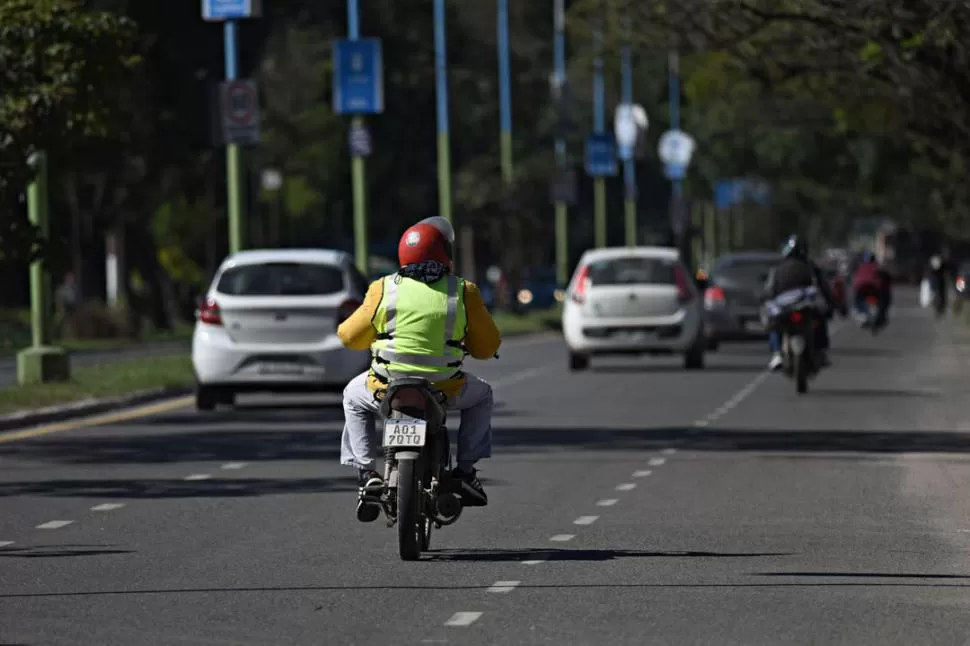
<point x="360" y="445"/>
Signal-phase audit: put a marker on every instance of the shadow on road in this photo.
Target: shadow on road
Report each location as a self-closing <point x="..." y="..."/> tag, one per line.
<point x="161" y="489"/>
<point x="500" y="556"/>
<point x="59" y="551"/>
<point x="867" y="393"/>
<point x="324" y="445"/>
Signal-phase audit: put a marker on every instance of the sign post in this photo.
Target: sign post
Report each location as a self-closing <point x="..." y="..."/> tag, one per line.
<point x="599" y="126"/>
<point x="561" y="199"/>
<point x="358" y="89"/>
<point x="676" y="149"/>
<point x="229" y="12"/>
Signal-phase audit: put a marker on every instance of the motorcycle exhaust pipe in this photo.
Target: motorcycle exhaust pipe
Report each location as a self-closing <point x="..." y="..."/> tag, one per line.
<point x="448" y="508"/>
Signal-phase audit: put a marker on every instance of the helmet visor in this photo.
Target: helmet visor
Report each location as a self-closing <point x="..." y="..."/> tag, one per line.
<point x="442" y="225"/>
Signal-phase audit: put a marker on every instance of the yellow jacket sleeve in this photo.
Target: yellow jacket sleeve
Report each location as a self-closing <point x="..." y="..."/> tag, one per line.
<point x="358" y="332"/>
<point x="482" y="337"/>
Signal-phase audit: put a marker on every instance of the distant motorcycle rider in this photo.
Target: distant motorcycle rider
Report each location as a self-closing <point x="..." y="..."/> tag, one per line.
<point x="937" y="273"/>
<point x="797" y="271"/>
<point x="871" y="279"/>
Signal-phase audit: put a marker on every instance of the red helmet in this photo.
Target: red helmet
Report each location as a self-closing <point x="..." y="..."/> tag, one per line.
<point x="429" y="239"/>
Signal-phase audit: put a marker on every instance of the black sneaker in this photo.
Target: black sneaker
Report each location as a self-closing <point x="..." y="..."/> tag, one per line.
<point x="472" y="492"/>
<point x="370" y="484"/>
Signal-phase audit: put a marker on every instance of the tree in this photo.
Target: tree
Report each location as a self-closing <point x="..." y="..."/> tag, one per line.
<point x="65" y="73"/>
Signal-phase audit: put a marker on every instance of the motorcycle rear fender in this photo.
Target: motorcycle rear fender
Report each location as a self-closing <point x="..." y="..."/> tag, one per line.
<point x="406" y="455"/>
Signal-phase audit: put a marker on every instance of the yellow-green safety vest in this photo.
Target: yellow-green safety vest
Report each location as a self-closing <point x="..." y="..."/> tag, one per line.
<point x="420" y="328"/>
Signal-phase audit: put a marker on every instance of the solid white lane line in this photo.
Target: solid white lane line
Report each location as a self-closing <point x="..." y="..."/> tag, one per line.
<point x="626" y="486"/>
<point x="504" y="586"/>
<point x="5" y="543"/>
<point x="198" y="476"/>
<point x="562" y="538"/>
<point x="229" y="466"/>
<point x="642" y="474"/>
<point x="585" y="520"/>
<point x="108" y="506"/>
<point x="656" y="462"/>
<point x="55" y="524"/>
<point x="608" y="502"/>
<point x="462" y="619"/>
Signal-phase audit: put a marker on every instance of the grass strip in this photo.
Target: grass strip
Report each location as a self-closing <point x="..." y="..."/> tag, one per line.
<point x="111" y="380"/>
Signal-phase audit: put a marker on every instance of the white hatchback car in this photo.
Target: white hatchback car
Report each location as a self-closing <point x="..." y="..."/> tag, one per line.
<point x="269" y="324"/>
<point x="633" y="300"/>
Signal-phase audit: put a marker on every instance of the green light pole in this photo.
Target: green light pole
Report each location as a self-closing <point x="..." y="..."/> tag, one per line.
<point x="42" y="362"/>
<point x="441" y="79"/>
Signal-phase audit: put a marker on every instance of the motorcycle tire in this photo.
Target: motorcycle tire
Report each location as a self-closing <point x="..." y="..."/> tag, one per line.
<point x="801" y="374"/>
<point x="410" y="525"/>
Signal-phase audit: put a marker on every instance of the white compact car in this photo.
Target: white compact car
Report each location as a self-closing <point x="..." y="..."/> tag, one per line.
<point x="633" y="300"/>
<point x="269" y="324"/>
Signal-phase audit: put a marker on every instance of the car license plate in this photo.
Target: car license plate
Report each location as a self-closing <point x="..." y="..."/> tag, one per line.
<point x="754" y="326"/>
<point x="280" y="369"/>
<point x="405" y="432"/>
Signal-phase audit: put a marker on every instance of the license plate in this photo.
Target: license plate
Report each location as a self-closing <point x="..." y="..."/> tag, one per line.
<point x="405" y="432"/>
<point x="754" y="326"/>
<point x="280" y="369"/>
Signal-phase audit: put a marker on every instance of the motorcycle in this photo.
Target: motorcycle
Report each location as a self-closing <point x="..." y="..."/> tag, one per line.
<point x="868" y="316"/>
<point x="796" y="314"/>
<point x="419" y="493"/>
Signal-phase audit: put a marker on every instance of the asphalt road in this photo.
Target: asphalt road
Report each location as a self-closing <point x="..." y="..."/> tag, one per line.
<point x="633" y="504"/>
<point x="88" y="358"/>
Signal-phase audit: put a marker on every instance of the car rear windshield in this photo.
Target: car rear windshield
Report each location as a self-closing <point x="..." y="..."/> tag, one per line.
<point x="633" y="271"/>
<point x="746" y="271"/>
<point x="282" y="279"/>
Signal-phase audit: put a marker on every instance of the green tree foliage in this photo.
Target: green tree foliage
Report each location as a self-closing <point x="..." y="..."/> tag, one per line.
<point x="64" y="74"/>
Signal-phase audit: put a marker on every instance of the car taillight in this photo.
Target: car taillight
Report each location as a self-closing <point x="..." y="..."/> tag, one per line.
<point x="209" y="312"/>
<point x="714" y="297"/>
<point x="346" y="308"/>
<point x="684" y="294"/>
<point x="872" y="300"/>
<point x="582" y="284"/>
<point x="796" y="317"/>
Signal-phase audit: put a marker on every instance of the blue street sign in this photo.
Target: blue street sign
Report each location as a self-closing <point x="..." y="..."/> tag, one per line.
<point x="675" y="171"/>
<point x="360" y="141"/>
<point x="222" y="10"/>
<point x="728" y="192"/>
<point x="358" y="77"/>
<point x="601" y="156"/>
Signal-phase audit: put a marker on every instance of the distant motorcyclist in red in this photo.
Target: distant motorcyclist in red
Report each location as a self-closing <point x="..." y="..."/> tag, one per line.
<point x="872" y="280"/>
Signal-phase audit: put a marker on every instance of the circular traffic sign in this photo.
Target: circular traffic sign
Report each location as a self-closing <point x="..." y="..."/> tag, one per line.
<point x="241" y="102"/>
<point x="676" y="148"/>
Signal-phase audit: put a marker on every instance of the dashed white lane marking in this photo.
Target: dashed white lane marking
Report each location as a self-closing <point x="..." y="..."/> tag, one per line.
<point x="562" y="538"/>
<point x="5" y="543"/>
<point x="585" y="520"/>
<point x="503" y="586"/>
<point x="608" y="502"/>
<point x="669" y="451"/>
<point x="519" y="376"/>
<point x="462" y="619"/>
<point x="701" y="422"/>
<point x="198" y="476"/>
<point x="108" y="506"/>
<point x="55" y="524"/>
<point x="642" y="474"/>
<point x="230" y="466"/>
<point x="533" y="561"/>
<point x="626" y="486"/>
<point x="656" y="462"/>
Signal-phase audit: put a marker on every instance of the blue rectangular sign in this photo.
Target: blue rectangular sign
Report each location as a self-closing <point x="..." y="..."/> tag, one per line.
<point x="727" y="193"/>
<point x="222" y="10"/>
<point x="601" y="156"/>
<point x="358" y="77"/>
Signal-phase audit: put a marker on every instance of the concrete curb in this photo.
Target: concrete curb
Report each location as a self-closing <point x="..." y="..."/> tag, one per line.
<point x="87" y="407"/>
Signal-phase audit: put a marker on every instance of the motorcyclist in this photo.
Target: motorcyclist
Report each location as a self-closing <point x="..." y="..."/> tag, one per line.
<point x="793" y="272"/>
<point x="419" y="321"/>
<point x="871" y="279"/>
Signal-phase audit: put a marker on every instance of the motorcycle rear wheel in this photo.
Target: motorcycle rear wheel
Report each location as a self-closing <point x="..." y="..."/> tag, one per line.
<point x="410" y="521"/>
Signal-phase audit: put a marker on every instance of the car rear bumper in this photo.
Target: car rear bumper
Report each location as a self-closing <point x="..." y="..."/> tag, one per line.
<point x="274" y="367"/>
<point x="619" y="336"/>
